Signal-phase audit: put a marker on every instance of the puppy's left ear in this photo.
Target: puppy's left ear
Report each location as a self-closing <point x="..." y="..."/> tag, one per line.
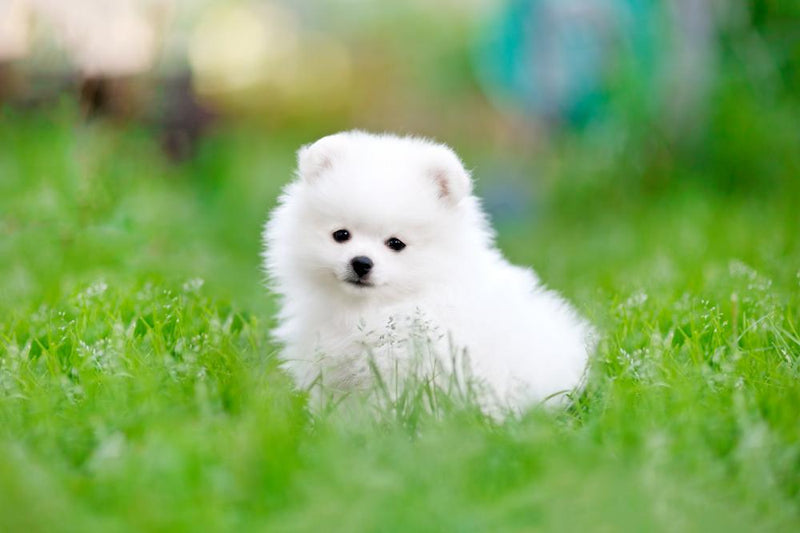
<point x="315" y="159"/>
<point x="452" y="180"/>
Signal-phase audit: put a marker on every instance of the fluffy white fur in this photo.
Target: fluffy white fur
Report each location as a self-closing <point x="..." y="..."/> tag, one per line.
<point x="523" y="342"/>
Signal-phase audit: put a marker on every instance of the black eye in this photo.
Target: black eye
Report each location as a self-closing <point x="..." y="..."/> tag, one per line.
<point x="395" y="244"/>
<point x="341" y="235"/>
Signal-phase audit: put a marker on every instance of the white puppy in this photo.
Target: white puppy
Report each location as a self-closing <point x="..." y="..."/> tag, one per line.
<point x="381" y="256"/>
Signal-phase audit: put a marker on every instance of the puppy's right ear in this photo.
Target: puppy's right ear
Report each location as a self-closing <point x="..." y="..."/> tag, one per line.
<point x="447" y="172"/>
<point x="316" y="158"/>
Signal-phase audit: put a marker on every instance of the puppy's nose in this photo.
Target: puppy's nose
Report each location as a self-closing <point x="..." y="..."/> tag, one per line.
<point x="361" y="265"/>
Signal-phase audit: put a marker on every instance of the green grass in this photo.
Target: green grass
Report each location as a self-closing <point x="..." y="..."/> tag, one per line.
<point x="139" y="390"/>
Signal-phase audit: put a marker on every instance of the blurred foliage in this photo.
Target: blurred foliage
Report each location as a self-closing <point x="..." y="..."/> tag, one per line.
<point x="747" y="143"/>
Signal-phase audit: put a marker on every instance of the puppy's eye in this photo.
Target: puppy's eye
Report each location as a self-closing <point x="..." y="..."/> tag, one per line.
<point x="341" y="235"/>
<point x="395" y="244"/>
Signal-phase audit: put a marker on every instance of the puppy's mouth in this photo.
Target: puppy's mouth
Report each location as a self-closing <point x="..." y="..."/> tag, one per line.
<point x="359" y="282"/>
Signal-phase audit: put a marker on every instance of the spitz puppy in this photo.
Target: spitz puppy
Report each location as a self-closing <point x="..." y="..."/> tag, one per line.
<point x="382" y="257"/>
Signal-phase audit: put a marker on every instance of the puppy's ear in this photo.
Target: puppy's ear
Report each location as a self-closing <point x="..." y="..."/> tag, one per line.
<point x="316" y="158"/>
<point x="449" y="175"/>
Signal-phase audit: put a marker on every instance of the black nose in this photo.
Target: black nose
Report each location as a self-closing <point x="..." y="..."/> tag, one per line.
<point x="361" y="265"/>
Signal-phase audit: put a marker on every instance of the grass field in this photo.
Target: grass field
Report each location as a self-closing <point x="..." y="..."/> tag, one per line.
<point x="139" y="390"/>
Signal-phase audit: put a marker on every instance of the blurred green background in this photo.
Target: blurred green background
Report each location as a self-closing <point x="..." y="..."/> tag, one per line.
<point x="643" y="156"/>
<point x="586" y="110"/>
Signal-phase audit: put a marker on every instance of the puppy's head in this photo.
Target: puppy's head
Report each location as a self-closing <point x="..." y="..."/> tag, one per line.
<point x="371" y="216"/>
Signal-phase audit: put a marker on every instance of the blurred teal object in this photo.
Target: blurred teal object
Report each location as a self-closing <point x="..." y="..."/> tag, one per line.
<point x="553" y="58"/>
